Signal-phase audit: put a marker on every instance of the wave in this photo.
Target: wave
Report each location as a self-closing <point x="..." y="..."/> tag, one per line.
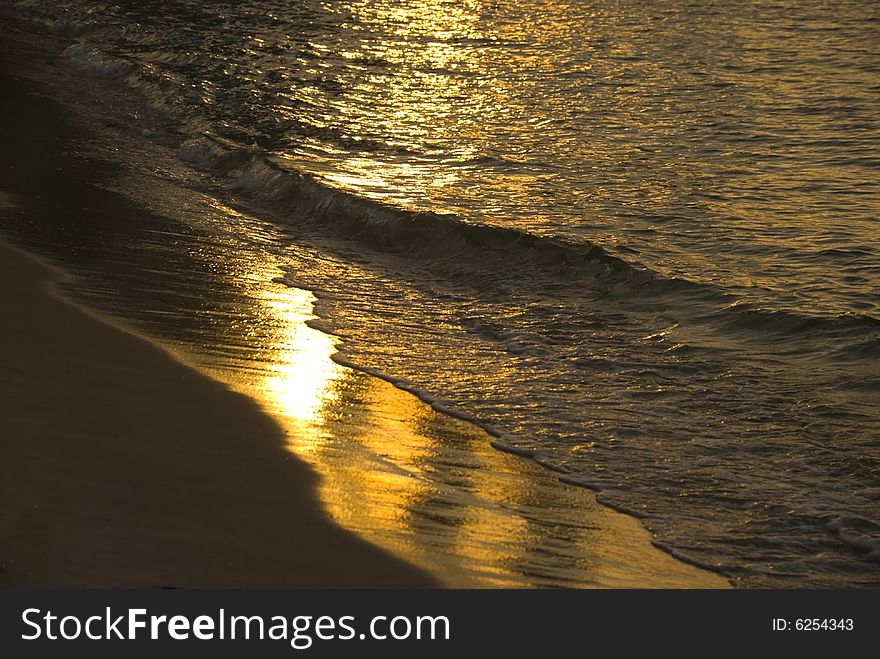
<point x="785" y="323"/>
<point x="445" y="244"/>
<point x="558" y="346"/>
<point x="425" y="235"/>
<point x="449" y="246"/>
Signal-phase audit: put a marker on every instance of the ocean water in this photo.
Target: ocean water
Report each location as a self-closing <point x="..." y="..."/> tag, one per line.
<point x="636" y="242"/>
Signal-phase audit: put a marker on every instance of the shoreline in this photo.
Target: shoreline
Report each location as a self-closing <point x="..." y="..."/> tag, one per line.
<point x="223" y="493"/>
<point x="125" y="468"/>
<point x="376" y="448"/>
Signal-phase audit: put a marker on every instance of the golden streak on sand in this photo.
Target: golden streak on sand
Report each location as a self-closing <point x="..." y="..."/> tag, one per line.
<point x="302" y="377"/>
<point x="124" y="468"/>
<point x="431" y="488"/>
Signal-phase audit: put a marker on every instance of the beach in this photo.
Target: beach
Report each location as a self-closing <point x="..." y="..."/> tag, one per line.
<point x="538" y="296"/>
<point x="125" y="466"/>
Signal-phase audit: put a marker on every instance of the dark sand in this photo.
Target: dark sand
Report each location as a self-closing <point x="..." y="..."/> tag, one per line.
<point x="122" y="467"/>
<point x="119" y="466"/>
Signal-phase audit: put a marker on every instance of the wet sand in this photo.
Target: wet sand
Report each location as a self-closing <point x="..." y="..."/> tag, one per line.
<point x="122" y="467"/>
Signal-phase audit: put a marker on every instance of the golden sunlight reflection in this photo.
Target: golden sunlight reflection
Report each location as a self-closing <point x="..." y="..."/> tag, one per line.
<point x="424" y="110"/>
<point x="300" y="379"/>
<point x="425" y="486"/>
<point x="428" y="487"/>
<point x="435" y="134"/>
